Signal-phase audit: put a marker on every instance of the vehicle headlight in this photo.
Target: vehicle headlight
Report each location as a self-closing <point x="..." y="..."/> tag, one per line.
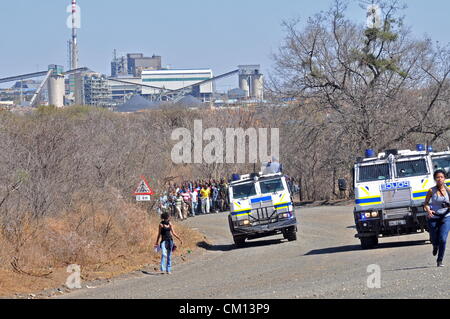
<point x="284" y="216"/>
<point x="369" y="215"/>
<point x="244" y="222"/>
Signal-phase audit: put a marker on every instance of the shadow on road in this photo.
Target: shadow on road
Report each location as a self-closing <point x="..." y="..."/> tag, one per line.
<point x="348" y="248"/>
<point x="149" y="273"/>
<point x="411" y="268"/>
<point x="210" y="247"/>
<point x="248" y="244"/>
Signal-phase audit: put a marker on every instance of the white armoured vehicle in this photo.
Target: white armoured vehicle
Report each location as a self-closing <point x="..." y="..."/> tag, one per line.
<point x="390" y="191"/>
<point x="261" y="205"/>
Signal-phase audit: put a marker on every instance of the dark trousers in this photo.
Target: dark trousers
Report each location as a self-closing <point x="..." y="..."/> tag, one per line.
<point x="439" y="229"/>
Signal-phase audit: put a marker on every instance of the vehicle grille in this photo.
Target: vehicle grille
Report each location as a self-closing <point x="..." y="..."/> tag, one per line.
<point x="263" y="216"/>
<point x="398" y="213"/>
<point x="397" y="195"/>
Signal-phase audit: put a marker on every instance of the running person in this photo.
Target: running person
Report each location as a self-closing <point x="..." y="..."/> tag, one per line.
<point x="438" y="215"/>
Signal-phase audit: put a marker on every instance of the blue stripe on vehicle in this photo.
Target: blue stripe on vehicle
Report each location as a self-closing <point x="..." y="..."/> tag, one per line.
<point x="422" y="194"/>
<point x="241" y="212"/>
<point x="261" y="199"/>
<point x="368" y="200"/>
<point x="283" y="205"/>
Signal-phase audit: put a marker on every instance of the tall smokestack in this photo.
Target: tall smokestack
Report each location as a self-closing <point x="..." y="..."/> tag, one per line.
<point x="74" y="52"/>
<point x="77" y="78"/>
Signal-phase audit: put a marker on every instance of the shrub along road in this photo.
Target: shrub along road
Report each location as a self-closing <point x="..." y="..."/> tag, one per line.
<point x="325" y="262"/>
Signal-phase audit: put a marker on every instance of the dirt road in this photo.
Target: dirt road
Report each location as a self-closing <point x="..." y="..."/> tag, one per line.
<point x="325" y="262"/>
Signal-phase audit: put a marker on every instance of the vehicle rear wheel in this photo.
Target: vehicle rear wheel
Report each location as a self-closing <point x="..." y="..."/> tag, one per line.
<point x="369" y="242"/>
<point x="239" y="241"/>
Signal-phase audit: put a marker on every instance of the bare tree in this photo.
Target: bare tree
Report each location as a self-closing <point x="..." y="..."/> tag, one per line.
<point x="359" y="87"/>
<point x="365" y="80"/>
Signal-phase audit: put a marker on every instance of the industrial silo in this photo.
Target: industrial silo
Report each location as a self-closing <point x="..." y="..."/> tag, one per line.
<point x="244" y="84"/>
<point x="251" y="80"/>
<point x="258" y="86"/>
<point x="56" y="90"/>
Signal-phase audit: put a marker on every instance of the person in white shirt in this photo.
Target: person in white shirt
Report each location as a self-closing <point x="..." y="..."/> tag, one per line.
<point x="194" y="201"/>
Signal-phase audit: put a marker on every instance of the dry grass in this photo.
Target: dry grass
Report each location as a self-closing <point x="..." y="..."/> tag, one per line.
<point x="34" y="254"/>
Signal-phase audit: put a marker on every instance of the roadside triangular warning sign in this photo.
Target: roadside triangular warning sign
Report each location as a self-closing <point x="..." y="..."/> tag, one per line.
<point x="143" y="188"/>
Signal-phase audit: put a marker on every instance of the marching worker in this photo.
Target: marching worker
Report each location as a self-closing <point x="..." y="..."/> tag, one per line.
<point x="205" y="193"/>
<point x="179" y="206"/>
<point x="194" y="202"/>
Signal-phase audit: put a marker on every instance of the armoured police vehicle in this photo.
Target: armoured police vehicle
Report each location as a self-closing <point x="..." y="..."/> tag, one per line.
<point x="390" y="190"/>
<point x="441" y="161"/>
<point x="261" y="205"/>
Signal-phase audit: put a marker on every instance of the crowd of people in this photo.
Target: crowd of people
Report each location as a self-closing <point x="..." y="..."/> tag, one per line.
<point x="192" y="198"/>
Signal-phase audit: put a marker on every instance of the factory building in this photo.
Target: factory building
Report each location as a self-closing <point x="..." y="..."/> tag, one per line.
<point x="133" y="64"/>
<point x="119" y="66"/>
<point x="96" y="90"/>
<point x="178" y="79"/>
<point x="26" y="85"/>
<point x="137" y="63"/>
<point x="120" y="91"/>
<point x="20" y="92"/>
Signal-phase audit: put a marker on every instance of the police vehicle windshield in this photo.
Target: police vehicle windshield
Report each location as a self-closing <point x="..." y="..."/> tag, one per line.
<point x="442" y="163"/>
<point x="371" y="173"/>
<point x="271" y="186"/>
<point x="411" y="168"/>
<point x="244" y="190"/>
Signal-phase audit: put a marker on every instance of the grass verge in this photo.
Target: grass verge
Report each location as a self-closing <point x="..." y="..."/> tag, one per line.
<point x="35" y="254"/>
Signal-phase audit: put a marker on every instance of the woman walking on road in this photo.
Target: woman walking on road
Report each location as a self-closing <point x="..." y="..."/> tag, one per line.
<point x="438" y="215"/>
<point x="165" y="232"/>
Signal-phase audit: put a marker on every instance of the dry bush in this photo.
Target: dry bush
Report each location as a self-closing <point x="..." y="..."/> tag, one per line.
<point x="90" y="236"/>
<point x="34" y="253"/>
<point x="87" y="236"/>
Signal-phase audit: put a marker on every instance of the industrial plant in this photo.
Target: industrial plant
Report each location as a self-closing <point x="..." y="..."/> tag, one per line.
<point x="132" y="75"/>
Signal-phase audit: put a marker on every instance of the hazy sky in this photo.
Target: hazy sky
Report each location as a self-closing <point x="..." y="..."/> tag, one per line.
<point x="186" y="33"/>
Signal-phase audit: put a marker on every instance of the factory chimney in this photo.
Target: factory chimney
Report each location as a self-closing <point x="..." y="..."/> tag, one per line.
<point x="76" y="79"/>
<point x="74" y="47"/>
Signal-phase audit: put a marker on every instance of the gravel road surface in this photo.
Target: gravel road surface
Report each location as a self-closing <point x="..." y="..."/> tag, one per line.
<point x="325" y="262"/>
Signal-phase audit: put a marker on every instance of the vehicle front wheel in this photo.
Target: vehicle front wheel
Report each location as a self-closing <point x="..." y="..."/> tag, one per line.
<point x="230" y="223"/>
<point x="239" y="241"/>
<point x="290" y="234"/>
<point x="369" y="242"/>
